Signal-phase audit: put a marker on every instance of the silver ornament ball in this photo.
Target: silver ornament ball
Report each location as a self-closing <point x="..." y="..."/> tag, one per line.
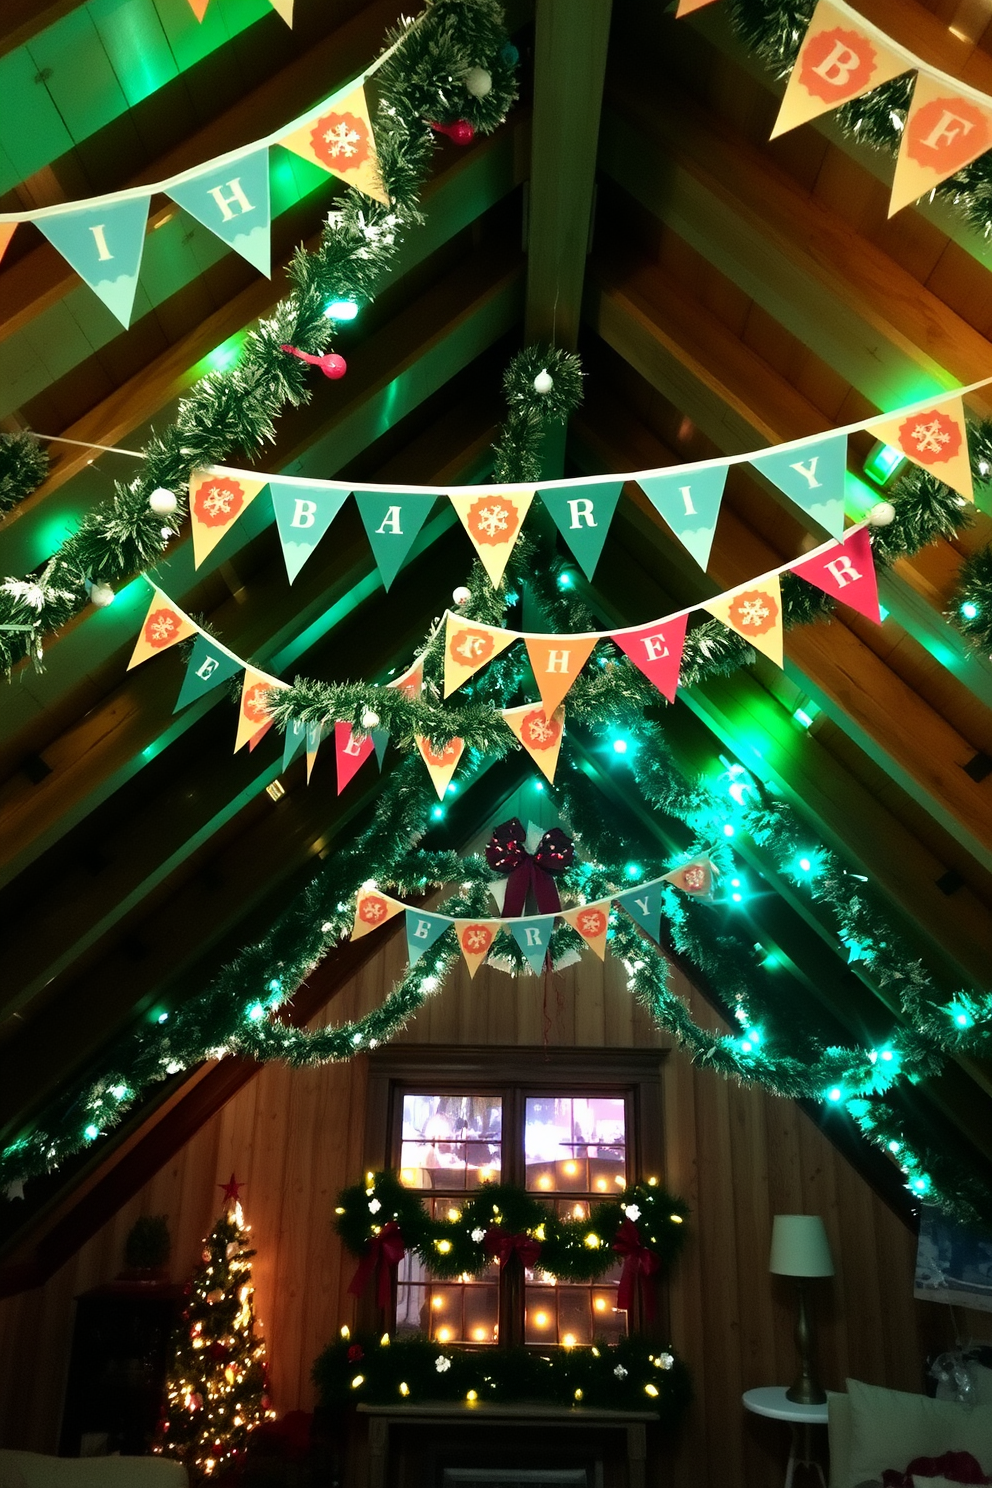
<point x="882" y="513"/>
<point x="162" y="502"/>
<point x="101" y="595"/>
<point x="478" y="82"/>
<point x="543" y="382"/>
<point x="370" y="720"/>
<point x="461" y="595"/>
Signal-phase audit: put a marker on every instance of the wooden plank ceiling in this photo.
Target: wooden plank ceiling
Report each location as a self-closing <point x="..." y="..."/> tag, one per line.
<point x="736" y="293"/>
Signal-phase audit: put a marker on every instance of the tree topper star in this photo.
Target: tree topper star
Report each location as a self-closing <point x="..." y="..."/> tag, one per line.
<point x="232" y="1189"/>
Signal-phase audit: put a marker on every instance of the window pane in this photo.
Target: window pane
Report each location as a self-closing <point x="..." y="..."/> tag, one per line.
<point x="451" y="1142"/>
<point x="575" y="1144"/>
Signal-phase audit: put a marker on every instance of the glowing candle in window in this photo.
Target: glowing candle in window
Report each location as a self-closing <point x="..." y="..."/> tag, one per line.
<point x="479" y="1334"/>
<point x="600" y="1304"/>
<point x="485" y="1174"/>
<point x="569" y="1340"/>
<point x="571" y="1168"/>
<point x="437" y="1302"/>
<point x="601" y="1184"/>
<point x="544" y="1181"/>
<point x="408" y="1176"/>
<point x="541" y="1319"/>
<point x="443" y="1335"/>
<point x="579" y="1212"/>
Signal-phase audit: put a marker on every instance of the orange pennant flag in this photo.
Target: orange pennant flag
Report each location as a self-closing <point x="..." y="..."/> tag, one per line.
<point x="936" y="439"/>
<point x="592" y="922"/>
<point x="199" y="8"/>
<point x="372" y="909"/>
<point x="217" y="499"/>
<point x="475" y="939"/>
<point x="441" y="764"/>
<point x="411" y="684"/>
<point x="686" y="7"/>
<point x="557" y="661"/>
<point x="755" y="612"/>
<point x="254" y="716"/>
<point x="944" y="132"/>
<point x="493" y="522"/>
<point x="164" y="625"/>
<point x="539" y="734"/>
<point x="467" y="647"/>
<point x="838" y="60"/>
<point x="7" y="230"/>
<point x="340" y="140"/>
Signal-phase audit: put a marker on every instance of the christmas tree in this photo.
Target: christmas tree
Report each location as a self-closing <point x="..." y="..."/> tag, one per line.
<point x="216" y="1390"/>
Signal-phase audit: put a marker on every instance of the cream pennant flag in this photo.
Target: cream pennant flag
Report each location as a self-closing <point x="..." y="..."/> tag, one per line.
<point x="372" y="909"/>
<point x="164" y="625"/>
<point x="340" y="140"/>
<point x="254" y="715"/>
<point x="755" y="612"/>
<point x="217" y="498"/>
<point x="935" y="439"/>
<point x="441" y="763"/>
<point x="539" y="734"/>
<point x="556" y="662"/>
<point x="411" y="683"/>
<point x="695" y="877"/>
<point x="592" y="922"/>
<point x="283" y="8"/>
<point x="475" y="939"/>
<point x="493" y="521"/>
<point x="468" y="645"/>
<point x="838" y="60"/>
<point x="944" y="131"/>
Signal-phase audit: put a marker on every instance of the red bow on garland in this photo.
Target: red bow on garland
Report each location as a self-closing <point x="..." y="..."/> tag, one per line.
<point x="639" y="1261"/>
<point x="501" y="1244"/>
<point x="507" y="853"/>
<point x="385" y="1251"/>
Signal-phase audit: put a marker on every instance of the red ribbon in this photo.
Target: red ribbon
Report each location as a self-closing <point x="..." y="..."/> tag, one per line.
<point x="507" y="853"/>
<point x="385" y="1251"/>
<point x="501" y="1244"/>
<point x="638" y="1262"/>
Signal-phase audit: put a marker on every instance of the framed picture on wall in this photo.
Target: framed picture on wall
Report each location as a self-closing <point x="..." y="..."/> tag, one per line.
<point x="953" y="1264"/>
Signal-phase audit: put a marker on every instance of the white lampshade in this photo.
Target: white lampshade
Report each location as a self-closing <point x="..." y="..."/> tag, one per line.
<point x="800" y="1246"/>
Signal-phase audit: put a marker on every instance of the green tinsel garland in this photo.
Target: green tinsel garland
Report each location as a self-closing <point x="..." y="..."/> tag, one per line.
<point x="23" y="467"/>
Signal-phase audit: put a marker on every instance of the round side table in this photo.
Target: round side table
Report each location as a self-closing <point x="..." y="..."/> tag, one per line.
<point x="771" y="1400"/>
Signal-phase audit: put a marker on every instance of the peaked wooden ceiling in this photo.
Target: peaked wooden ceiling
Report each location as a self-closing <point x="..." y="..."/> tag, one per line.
<point x="724" y="292"/>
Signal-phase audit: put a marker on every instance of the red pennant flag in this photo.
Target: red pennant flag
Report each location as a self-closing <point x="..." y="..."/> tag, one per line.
<point x="351" y="750"/>
<point x="846" y="571"/>
<point x="657" y="650"/>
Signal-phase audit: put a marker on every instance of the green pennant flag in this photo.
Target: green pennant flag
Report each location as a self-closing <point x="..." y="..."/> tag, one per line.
<point x="422" y="930"/>
<point x="813" y="477"/>
<point x="643" y="904"/>
<point x="689" y="500"/>
<point x="392" y="520"/>
<point x="583" y="514"/>
<point x="304" y="512"/>
<point x="206" y="669"/>
<point x="533" y="937"/>
<point x="293" y="741"/>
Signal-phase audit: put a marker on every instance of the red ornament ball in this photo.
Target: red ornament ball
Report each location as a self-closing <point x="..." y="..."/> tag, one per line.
<point x="462" y="132"/>
<point x="332" y="365"/>
<point x="355" y="1353"/>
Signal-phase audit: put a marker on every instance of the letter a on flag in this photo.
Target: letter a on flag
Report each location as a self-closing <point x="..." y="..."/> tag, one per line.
<point x="812" y="477"/>
<point x="533" y="936"/>
<point x="475" y="938"/>
<point x="755" y="612"/>
<point x="207" y="668"/>
<point x="303" y="512"/>
<point x="217" y="498"/>
<point x="164" y="625"/>
<point x="644" y="907"/>
<point x="351" y="750"/>
<point x="935" y="439"/>
<point x="839" y="59"/>
<point x="657" y="650"/>
<point x="338" y="137"/>
<point x="493" y="521"/>
<point x="392" y="520"/>
<point x="846" y="571"/>
<point x="372" y="909"/>
<point x="556" y="662"/>
<point x="592" y="922"/>
<point x="104" y="245"/>
<point x="232" y="200"/>
<point x="468" y="645"/>
<point x="689" y="501"/>
<point x="944" y="132"/>
<point x="441" y="763"/>
<point x="422" y="930"/>
<point x="583" y="515"/>
<point x="539" y="734"/>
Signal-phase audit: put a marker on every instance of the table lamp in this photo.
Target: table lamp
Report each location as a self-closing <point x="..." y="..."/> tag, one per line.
<point x="800" y="1249"/>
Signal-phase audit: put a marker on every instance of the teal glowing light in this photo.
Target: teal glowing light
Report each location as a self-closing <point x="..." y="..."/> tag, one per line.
<point x="805" y="717"/>
<point x="920" y="1184"/>
<point x="970" y="610"/>
<point x="91" y="1133"/>
<point x="633" y="871"/>
<point x="539" y="785"/>
<point x="437" y="812"/>
<point x="728" y="829"/>
<point x="275" y="985"/>
<point x="835" y="1094"/>
<point x="883" y="463"/>
<point x="341" y="310"/>
<point x="565" y="580"/>
<point x="451" y="788"/>
<point x="738" y="898"/>
<point x="256" y="1012"/>
<point x="119" y="1092"/>
<point x="895" y="1146"/>
<point x="962" y="1017"/>
<point x="223" y="357"/>
<point x="162" y="1018"/>
<point x="620" y="746"/>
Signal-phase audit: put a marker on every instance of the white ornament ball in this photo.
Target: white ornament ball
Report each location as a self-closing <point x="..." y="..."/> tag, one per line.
<point x="370" y="720"/>
<point x="462" y="595"/>
<point x="101" y="595"/>
<point x="543" y="382"/>
<point x="478" y="82"/>
<point x="162" y="502"/>
<point x="167" y="534"/>
<point x="882" y="513"/>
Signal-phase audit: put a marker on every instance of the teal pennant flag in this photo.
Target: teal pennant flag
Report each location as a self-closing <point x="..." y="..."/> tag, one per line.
<point x="422" y="930"/>
<point x="232" y="200"/>
<point x="689" y="500"/>
<point x="813" y="477"/>
<point x="303" y="514"/>
<point x="392" y="520"/>
<point x="533" y="937"/>
<point x="583" y="514"/>
<point x="104" y="245"/>
<point x="207" y="668"/>
<point x="644" y="907"/>
<point x="293" y="741"/>
<point x="380" y="738"/>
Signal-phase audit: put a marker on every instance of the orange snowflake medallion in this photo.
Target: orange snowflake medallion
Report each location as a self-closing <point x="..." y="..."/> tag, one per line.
<point x="538" y="731"/>
<point x="373" y="909"/>
<point x="476" y="939"/>
<point x="591" y="923"/>
<point x="930" y="437"/>
<point x="470" y="647"/>
<point x="754" y="612"/>
<point x="696" y="879"/>
<point x="161" y="628"/>
<point x="340" y="141"/>
<point x="218" y="501"/>
<point x="254" y="705"/>
<point x="447" y="756"/>
<point x="493" y="520"/>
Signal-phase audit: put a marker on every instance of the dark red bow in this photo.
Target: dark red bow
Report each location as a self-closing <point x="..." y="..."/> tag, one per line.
<point x="501" y="1244"/>
<point x="507" y="853"/>
<point x="385" y="1251"/>
<point x="638" y="1261"/>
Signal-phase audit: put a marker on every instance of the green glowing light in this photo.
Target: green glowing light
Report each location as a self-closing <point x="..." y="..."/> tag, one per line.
<point x="565" y="580"/>
<point x="883" y="463"/>
<point x="835" y="1094"/>
<point x="437" y="812"/>
<point x="256" y="1012"/>
<point x="970" y="610"/>
<point x="91" y="1133"/>
<point x="341" y="310"/>
<point x="633" y="871"/>
<point x="620" y="746"/>
<point x="224" y="356"/>
<point x="728" y="829"/>
<point x="539" y="785"/>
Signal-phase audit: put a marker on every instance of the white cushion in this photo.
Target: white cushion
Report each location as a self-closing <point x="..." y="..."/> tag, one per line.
<point x="34" y="1470"/>
<point x="889" y="1428"/>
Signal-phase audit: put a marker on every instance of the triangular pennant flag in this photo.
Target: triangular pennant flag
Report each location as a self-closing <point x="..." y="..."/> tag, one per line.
<point x="316" y="734"/>
<point x="7" y="230"/>
<point x="372" y="909"/>
<point x="689" y="501"/>
<point x="104" y="245"/>
<point x="686" y="7"/>
<point x="493" y="521"/>
<point x="592" y="922"/>
<point x="442" y="763"/>
<point x="583" y="514"/>
<point x="411" y="683"/>
<point x="232" y="201"/>
<point x="253" y="714"/>
<point x="657" y="650"/>
<point x="283" y="8"/>
<point x="303" y="514"/>
<point x="199" y="8"/>
<point x="380" y="738"/>
<point x="293" y="741"/>
<point x="351" y="750"/>
<point x="846" y="572"/>
<point x="644" y="907"/>
<point x="208" y="666"/>
<point x="944" y="131"/>
<point x="533" y="937"/>
<point x="341" y="141"/>
<point x="755" y="612"/>
<point x="556" y="661"/>
<point x="392" y="520"/>
<point x="475" y="938"/>
<point x="813" y="477"/>
<point x="257" y="737"/>
<point x="936" y="439"/>
<point x="216" y="500"/>
<point x="468" y="645"/>
<point x="695" y="877"/>
<point x="164" y="625"/>
<point x="539" y="734"/>
<point x="838" y="60"/>
<point x="422" y="930"/>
